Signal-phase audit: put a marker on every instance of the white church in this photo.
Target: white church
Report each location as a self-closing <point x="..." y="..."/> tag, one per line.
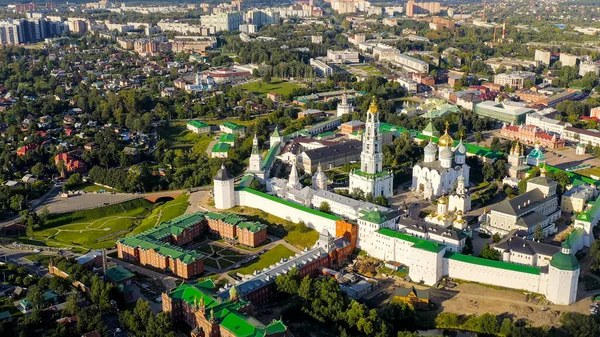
<point x="441" y="167"/>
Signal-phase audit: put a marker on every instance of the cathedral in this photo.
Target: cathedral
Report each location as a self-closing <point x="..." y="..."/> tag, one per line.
<point x="372" y="178"/>
<point x="517" y="168"/>
<point x="441" y="167"/>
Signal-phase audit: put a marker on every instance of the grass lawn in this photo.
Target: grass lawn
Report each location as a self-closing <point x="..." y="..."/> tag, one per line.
<point x="261" y="88"/>
<point x="211" y="263"/>
<point x="178" y="136"/>
<point x="89" y="187"/>
<point x="42" y="259"/>
<point x="163" y="212"/>
<point x="95" y="228"/>
<point x="269" y="258"/>
<point x="226" y="263"/>
<point x="297" y="235"/>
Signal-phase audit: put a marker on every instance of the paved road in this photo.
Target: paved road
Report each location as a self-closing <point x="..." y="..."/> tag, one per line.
<point x="194" y="202"/>
<point x="18" y="257"/>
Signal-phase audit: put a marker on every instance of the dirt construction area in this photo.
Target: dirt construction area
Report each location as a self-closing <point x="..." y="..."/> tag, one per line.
<point x="470" y="298"/>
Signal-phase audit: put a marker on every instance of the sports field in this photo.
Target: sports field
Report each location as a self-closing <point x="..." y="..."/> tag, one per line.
<point x="592" y="172"/>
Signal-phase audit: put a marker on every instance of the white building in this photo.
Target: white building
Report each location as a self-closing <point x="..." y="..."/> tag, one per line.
<point x="224" y="196"/>
<point x="568" y="60"/>
<point x="372" y="178"/>
<point x="516" y="79"/>
<point x="589" y="67"/>
<point x="526" y="252"/>
<point x="344" y="107"/>
<point x="321" y="68"/>
<point x="411" y="64"/>
<point x="343" y="56"/>
<point x="545" y="123"/>
<point x="198" y="127"/>
<point x="576" y="198"/>
<point x="538" y="206"/>
<point x="437" y="174"/>
<point x="222" y="21"/>
<point x="543" y="56"/>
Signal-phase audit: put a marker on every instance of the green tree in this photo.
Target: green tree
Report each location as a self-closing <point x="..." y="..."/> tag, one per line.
<point x="505" y="327"/>
<point x="305" y="289"/>
<point x="381" y="200"/>
<point x="488" y="324"/>
<point x="496" y="238"/>
<point x="324" y="207"/>
<point x="35" y="297"/>
<point x="74" y="180"/>
<point x="489" y="253"/>
<point x="538" y="233"/>
<point x="468" y="248"/>
<point x="288" y="283"/>
<point x="579" y="325"/>
<point x="478" y="137"/>
<point x="72" y="304"/>
<point x="17" y="202"/>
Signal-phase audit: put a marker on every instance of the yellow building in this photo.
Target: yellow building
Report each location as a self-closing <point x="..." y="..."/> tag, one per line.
<point x="419" y="299"/>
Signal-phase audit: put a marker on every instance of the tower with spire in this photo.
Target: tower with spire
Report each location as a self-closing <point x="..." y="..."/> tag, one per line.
<point x="344" y="107"/>
<point x="255" y="157"/>
<point x="320" y="179"/>
<point x="372" y="178"/>
<point x="294" y="180"/>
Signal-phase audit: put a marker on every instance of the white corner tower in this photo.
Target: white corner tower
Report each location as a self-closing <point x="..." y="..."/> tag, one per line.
<point x="344" y="107"/>
<point x="224" y="194"/>
<point x="320" y="179"/>
<point x="563" y="277"/>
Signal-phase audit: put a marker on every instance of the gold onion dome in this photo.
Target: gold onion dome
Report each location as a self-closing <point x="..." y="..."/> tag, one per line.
<point x="443" y="200"/>
<point x="373" y="107"/>
<point x="445" y="139"/>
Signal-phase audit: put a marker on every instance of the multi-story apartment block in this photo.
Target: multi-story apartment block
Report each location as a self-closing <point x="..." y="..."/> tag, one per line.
<point x="516" y="79"/>
<point x="343" y="56"/>
<point x="222" y="21"/>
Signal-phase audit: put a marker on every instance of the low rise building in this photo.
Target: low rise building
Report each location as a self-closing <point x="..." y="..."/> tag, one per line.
<point x="526" y="252"/>
<point x="575" y="199"/>
<point x="549" y="125"/>
<point x="530" y="134"/>
<point x="321" y="68"/>
<point x="198" y="127"/>
<point x="343" y="56"/>
<point x="503" y="112"/>
<point x="229" y="127"/>
<point x="330" y="156"/>
<point x="515" y="79"/>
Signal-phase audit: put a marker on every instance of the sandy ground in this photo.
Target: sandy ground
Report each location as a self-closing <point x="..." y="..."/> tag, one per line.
<point x="469" y="298"/>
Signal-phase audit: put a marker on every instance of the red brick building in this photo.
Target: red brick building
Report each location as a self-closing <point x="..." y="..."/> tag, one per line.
<point x="232" y="226"/>
<point x="351" y="127"/>
<point x="530" y="134"/>
<point x="216" y="315"/>
<point x="72" y="165"/>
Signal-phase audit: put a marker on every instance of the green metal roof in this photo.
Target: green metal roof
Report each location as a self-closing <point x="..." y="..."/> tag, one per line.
<point x="270" y="157"/>
<point x="152" y="238"/>
<point x="430" y="128"/>
<point x="371" y="175"/>
<point x="374" y="216"/>
<point x="537" y="154"/>
<point x="427" y="245"/>
<point x="227" y="138"/>
<point x="198" y="124"/>
<point x="276" y="132"/>
<point x="232" y="126"/>
<point x="221" y="147"/>
<point x="227" y="312"/>
<point x="4" y="315"/>
<point x="492" y="263"/>
<point x="564" y="261"/>
<point x="289" y="203"/>
<point x="119" y="273"/>
<point x="251" y="226"/>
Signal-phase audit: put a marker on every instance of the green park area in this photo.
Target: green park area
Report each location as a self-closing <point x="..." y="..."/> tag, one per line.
<point x="219" y="257"/>
<point x="101" y="227"/>
<point x="265" y="260"/>
<point x="163" y="212"/>
<point x="178" y="137"/>
<point x="278" y="86"/>
<point x="298" y="235"/>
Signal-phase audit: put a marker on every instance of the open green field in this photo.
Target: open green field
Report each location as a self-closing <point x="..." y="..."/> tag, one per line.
<point x="44" y="260"/>
<point x="592" y="172"/>
<point x="261" y="88"/>
<point x="94" y="228"/>
<point x="179" y="137"/>
<point x="297" y="235"/>
<point x="269" y="258"/>
<point x="163" y="212"/>
<point x="89" y="187"/>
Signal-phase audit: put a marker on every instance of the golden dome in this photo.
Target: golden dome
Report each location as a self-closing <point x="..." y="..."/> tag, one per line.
<point x="443" y="200"/>
<point x="373" y="107"/>
<point x="445" y="139"/>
